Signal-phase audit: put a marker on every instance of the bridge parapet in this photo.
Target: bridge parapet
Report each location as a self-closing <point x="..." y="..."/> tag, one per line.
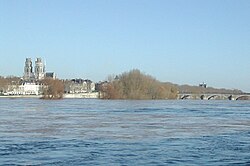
<point x="214" y="96"/>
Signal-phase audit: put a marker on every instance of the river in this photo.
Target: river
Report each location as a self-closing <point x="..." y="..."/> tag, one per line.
<point x="115" y="132"/>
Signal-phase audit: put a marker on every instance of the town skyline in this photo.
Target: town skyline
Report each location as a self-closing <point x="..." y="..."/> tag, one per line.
<point x="174" y="41"/>
<point x="34" y="71"/>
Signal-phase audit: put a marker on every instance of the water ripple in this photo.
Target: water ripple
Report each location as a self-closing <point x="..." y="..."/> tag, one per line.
<point x="100" y="132"/>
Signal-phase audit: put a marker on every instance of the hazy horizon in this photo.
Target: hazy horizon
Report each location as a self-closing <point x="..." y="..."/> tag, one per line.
<point x="178" y="41"/>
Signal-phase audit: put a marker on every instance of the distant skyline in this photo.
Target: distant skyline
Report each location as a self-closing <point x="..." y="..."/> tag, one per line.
<point x="179" y="41"/>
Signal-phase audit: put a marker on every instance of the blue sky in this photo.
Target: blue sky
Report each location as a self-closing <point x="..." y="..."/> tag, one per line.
<point x="179" y="41"/>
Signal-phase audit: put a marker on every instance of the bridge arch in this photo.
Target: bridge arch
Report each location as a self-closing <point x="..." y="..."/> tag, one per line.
<point x="243" y="97"/>
<point x="212" y="97"/>
<point x="202" y="97"/>
<point x="230" y="97"/>
<point x="185" y="97"/>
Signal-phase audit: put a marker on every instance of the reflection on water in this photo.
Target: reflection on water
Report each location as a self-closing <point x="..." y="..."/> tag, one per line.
<point x="100" y="132"/>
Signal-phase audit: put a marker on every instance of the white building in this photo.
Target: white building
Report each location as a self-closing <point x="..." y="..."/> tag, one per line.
<point x="30" y="89"/>
<point x="24" y="89"/>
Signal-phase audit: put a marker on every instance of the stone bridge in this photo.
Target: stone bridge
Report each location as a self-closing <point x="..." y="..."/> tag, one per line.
<point x="214" y="96"/>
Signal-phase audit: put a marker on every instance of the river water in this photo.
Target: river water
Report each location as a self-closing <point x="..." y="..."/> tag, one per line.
<point x="105" y="132"/>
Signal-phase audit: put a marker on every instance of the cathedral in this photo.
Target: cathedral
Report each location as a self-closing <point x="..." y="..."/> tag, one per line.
<point x="30" y="74"/>
<point x="38" y="74"/>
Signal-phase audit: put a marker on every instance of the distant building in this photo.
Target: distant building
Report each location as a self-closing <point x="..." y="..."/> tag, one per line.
<point x="50" y="75"/>
<point x="204" y="85"/>
<point x="28" y="70"/>
<point x="30" y="89"/>
<point x="79" y="86"/>
<point x="38" y="74"/>
<point x="39" y="69"/>
<point x="101" y="85"/>
<point x="25" y="88"/>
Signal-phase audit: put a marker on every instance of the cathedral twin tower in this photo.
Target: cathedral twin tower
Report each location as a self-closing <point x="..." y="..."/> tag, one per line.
<point x="39" y="72"/>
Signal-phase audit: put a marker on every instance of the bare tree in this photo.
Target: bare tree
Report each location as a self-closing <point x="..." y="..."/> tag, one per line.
<point x="53" y="89"/>
<point x="136" y="85"/>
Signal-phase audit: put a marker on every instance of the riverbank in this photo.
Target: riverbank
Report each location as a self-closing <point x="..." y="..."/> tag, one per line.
<point x="93" y="95"/>
<point x="21" y="96"/>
